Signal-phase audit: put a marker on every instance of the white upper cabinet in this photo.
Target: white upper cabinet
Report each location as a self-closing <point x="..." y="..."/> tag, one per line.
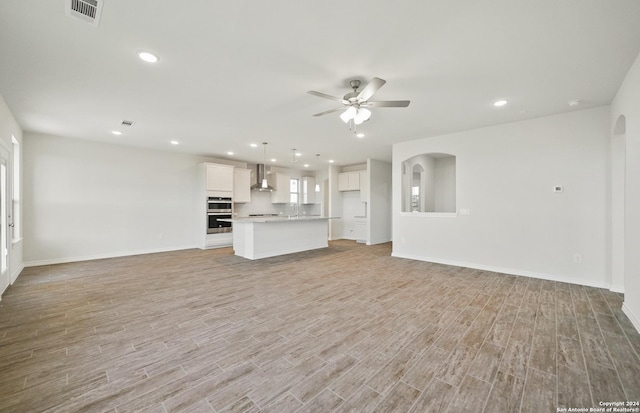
<point x="282" y="185"/>
<point x="354" y="181"/>
<point x="241" y="185"/>
<point x="308" y="190"/>
<point x="349" y="181"/>
<point x="343" y="181"/>
<point x="219" y="177"/>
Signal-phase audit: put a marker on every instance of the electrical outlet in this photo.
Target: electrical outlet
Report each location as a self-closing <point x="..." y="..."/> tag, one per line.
<point x="577" y="258"/>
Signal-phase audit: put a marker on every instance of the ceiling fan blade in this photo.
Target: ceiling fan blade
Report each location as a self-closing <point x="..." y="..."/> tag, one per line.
<point x="389" y="104"/>
<point x="326" y="112"/>
<point x="368" y="91"/>
<point x="324" y="95"/>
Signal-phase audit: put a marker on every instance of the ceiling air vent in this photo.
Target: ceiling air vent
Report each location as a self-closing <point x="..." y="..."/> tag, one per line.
<point x="127" y="123"/>
<point x="88" y="11"/>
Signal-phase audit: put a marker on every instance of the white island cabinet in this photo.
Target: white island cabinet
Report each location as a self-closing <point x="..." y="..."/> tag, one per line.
<point x="256" y="238"/>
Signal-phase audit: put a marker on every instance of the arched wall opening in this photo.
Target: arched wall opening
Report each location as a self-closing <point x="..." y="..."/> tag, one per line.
<point x="429" y="183"/>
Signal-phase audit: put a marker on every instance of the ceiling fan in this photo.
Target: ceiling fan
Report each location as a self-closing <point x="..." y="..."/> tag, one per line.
<point x="355" y="103"/>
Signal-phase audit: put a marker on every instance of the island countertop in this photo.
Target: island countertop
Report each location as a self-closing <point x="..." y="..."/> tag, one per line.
<point x="262" y="237"/>
<point x="270" y="219"/>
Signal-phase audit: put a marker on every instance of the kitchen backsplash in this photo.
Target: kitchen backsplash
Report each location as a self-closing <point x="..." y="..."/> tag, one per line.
<point x="261" y="204"/>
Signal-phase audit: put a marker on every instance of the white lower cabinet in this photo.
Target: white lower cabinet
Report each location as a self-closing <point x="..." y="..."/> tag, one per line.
<point x="360" y="231"/>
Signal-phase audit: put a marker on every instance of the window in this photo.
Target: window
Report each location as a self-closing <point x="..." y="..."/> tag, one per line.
<point x="15" y="193"/>
<point x="295" y="190"/>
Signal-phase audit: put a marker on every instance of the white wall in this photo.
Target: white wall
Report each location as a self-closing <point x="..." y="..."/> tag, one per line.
<point x="627" y="104"/>
<point x="505" y="175"/>
<point x="380" y="195"/>
<point x="85" y="199"/>
<point x="9" y="127"/>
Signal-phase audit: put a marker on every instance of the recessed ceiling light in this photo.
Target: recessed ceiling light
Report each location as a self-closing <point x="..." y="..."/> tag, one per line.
<point x="174" y="142"/>
<point x="116" y="132"/>
<point x="331" y="161"/>
<point x="499" y="103"/>
<point x="306" y="165"/>
<point x="360" y="135"/>
<point x="574" y="102"/>
<point x="230" y="153"/>
<point x="273" y="159"/>
<point x="253" y="145"/>
<point x="298" y="154"/>
<point x="148" y="57"/>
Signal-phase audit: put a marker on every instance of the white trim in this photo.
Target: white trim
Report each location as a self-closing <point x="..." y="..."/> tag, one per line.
<point x="634" y="320"/>
<point x="502" y="270"/>
<point x="429" y="214"/>
<point x="15" y="241"/>
<point x="3" y="291"/>
<point x="617" y="288"/>
<point x="105" y="255"/>
<point x="16" y="273"/>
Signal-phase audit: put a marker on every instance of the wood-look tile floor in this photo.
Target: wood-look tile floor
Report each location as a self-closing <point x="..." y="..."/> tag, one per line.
<point x="345" y="329"/>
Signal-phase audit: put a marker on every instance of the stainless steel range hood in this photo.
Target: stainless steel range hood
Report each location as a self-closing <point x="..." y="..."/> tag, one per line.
<point x="261" y="180"/>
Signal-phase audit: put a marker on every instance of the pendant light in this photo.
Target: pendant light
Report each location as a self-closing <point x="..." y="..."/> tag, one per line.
<point x="265" y="184"/>
<point x="317" y="188"/>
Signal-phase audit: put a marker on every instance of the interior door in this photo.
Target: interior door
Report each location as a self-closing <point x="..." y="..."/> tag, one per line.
<point x="4" y="212"/>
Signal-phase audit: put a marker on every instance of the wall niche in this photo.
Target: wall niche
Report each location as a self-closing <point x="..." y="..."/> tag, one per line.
<point x="429" y="183"/>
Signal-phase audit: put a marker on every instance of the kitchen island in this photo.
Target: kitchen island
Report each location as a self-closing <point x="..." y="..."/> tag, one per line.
<point x="263" y="237"/>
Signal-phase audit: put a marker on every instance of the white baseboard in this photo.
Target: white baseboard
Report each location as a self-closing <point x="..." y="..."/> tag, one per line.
<point x="632" y="317"/>
<point x="105" y="255"/>
<point x="378" y="241"/>
<point x="511" y="271"/>
<point x="617" y="288"/>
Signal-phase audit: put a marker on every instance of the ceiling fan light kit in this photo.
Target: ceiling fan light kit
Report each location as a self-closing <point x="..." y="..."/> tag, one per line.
<point x="356" y="103"/>
<point x="348" y="114"/>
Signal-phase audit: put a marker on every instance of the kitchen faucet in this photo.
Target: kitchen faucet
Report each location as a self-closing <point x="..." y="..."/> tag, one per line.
<point x="295" y="210"/>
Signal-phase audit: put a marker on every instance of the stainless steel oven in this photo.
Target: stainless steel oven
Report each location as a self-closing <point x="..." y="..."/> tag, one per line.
<point x="215" y="226"/>
<point x="219" y="204"/>
<point x="219" y="208"/>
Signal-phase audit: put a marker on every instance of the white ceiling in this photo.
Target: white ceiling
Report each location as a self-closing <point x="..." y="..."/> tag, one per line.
<point x="233" y="73"/>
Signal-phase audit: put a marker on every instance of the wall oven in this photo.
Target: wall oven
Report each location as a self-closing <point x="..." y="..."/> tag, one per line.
<point x="219" y="208"/>
<point x="219" y="204"/>
<point x="215" y="226"/>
